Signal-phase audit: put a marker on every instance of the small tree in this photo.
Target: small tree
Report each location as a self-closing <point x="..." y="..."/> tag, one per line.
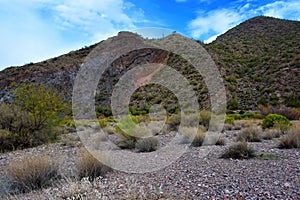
<point x="42" y="104"/>
<point x="32" y="118"/>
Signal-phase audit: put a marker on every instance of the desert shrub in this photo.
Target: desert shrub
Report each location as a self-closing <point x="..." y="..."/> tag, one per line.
<point x="147" y="144"/>
<point x="32" y="173"/>
<point x="229" y="120"/>
<point x="90" y="167"/>
<point x="173" y="122"/>
<point x="250" y="134"/>
<point x="188" y="133"/>
<point x="6" y="141"/>
<point x="221" y="141"/>
<point x="198" y="139"/>
<point x="248" y="115"/>
<point x="293" y="100"/>
<point x="228" y="127"/>
<point x="291" y="139"/>
<point x="127" y="126"/>
<point x="270" y="120"/>
<point x="205" y="116"/>
<point x="33" y="118"/>
<point x="126" y="143"/>
<point x="44" y="105"/>
<point x="290" y="113"/>
<point x="103" y="111"/>
<point x="238" y="150"/>
<point x="269" y="134"/>
<point x="282" y="127"/>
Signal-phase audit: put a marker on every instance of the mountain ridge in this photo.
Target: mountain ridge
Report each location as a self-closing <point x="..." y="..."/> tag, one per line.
<point x="259" y="61"/>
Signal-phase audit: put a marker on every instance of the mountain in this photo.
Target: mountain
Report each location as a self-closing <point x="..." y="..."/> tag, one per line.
<point x="259" y="61"/>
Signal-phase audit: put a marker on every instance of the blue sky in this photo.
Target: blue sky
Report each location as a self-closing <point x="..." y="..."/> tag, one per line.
<point x="35" y="30"/>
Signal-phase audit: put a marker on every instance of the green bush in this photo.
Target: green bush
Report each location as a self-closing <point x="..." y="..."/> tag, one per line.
<point x="33" y="119"/>
<point x="229" y="120"/>
<point x="103" y="111"/>
<point x="6" y="141"/>
<point x="270" y="120"/>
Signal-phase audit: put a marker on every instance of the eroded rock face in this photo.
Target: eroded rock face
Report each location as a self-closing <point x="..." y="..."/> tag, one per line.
<point x="61" y="72"/>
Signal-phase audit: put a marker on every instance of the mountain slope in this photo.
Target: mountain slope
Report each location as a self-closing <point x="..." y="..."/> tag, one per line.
<point x="259" y="61"/>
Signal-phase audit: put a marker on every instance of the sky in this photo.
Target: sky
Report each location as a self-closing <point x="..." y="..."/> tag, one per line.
<point x="36" y="30"/>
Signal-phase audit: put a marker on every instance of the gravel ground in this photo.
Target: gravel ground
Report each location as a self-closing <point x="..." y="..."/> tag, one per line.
<point x="192" y="176"/>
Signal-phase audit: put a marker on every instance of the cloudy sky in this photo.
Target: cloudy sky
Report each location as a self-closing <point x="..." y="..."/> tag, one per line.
<point x="35" y="30"/>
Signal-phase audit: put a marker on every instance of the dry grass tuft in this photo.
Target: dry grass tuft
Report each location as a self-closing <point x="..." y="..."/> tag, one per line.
<point x="238" y="150"/>
<point x="32" y="173"/>
<point x="291" y="139"/>
<point x="90" y="167"/>
<point x="250" y="134"/>
<point x="188" y="133"/>
<point x="147" y="144"/>
<point x="269" y="134"/>
<point x="221" y="141"/>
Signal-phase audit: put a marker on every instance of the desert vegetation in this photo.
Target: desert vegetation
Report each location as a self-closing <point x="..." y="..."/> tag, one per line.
<point x="33" y="118"/>
<point x="36" y="125"/>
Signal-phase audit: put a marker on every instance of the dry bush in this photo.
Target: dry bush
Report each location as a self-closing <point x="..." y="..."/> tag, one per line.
<point x="291" y="139"/>
<point x="221" y="141"/>
<point x="147" y="144"/>
<point x="70" y="139"/>
<point x="126" y="142"/>
<point x="269" y="134"/>
<point x="90" y="167"/>
<point x="290" y="113"/>
<point x="6" y="141"/>
<point x="250" y="134"/>
<point x="32" y="173"/>
<point x="238" y="150"/>
<point x="109" y="130"/>
<point x="283" y="128"/>
<point x="189" y="132"/>
<point x="205" y="116"/>
<point x="173" y="122"/>
<point x="244" y="123"/>
<point x="228" y="127"/>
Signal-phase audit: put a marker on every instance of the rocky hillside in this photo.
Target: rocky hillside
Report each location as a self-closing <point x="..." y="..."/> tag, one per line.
<point x="259" y="61"/>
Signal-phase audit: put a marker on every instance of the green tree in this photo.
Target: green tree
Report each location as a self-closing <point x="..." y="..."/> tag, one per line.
<point x="33" y="118"/>
<point x="43" y="105"/>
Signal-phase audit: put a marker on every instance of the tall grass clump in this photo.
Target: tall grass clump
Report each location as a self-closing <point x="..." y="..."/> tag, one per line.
<point x="90" y="167"/>
<point x="291" y="139"/>
<point x="147" y="144"/>
<point x="238" y="150"/>
<point x="32" y="173"/>
<point x="250" y="134"/>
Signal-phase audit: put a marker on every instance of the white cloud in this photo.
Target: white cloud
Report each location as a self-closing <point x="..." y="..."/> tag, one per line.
<point x="214" y="23"/>
<point x="34" y="30"/>
<point x="211" y="39"/>
<point x="282" y="9"/>
<point x="97" y="18"/>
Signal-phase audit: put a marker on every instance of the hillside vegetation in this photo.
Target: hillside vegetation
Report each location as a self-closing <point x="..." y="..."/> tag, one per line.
<point x="259" y="61"/>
